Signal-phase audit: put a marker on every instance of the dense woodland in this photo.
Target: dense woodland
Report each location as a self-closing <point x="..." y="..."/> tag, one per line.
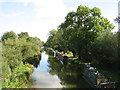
<point x="19" y="52"/>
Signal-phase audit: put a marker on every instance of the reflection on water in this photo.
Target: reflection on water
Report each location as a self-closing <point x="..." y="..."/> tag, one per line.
<point x="41" y="76"/>
<point x="53" y="73"/>
<point x="70" y="74"/>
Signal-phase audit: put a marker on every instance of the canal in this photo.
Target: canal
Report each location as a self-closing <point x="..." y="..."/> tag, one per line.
<point x="52" y="73"/>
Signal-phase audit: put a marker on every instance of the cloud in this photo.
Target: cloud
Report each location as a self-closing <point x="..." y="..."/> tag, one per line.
<point x="45" y="8"/>
<point x="43" y="80"/>
<point x="10" y="15"/>
<point x="48" y="14"/>
<point x="89" y="1"/>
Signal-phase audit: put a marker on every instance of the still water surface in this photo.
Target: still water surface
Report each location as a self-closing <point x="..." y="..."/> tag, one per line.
<point x="51" y="73"/>
<point x="42" y="78"/>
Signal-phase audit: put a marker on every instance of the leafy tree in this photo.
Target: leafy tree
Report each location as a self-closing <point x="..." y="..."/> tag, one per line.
<point x="80" y="28"/>
<point x="50" y="42"/>
<point x="10" y="35"/>
<point x="35" y="40"/>
<point x="118" y="38"/>
<point x="15" y="52"/>
<point x="56" y="41"/>
<point x="23" y="35"/>
<point x="59" y="43"/>
<point x="105" y="48"/>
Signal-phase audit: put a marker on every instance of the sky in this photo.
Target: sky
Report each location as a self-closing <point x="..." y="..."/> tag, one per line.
<point x="38" y="17"/>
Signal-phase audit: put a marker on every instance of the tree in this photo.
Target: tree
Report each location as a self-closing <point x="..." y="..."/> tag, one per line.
<point x="118" y="38"/>
<point x="104" y="49"/>
<point x="10" y="35"/>
<point x="80" y="28"/>
<point x="50" y="42"/>
<point x="16" y="52"/>
<point x="34" y="40"/>
<point x="23" y="35"/>
<point x="56" y="41"/>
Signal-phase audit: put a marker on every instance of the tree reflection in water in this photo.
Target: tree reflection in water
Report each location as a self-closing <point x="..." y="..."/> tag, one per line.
<point x="70" y="74"/>
<point x="33" y="60"/>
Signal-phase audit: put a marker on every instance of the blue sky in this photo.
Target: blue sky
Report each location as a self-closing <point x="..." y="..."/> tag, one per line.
<point x="38" y="17"/>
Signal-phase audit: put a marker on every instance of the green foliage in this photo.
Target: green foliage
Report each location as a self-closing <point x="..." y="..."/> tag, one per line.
<point x="118" y="38"/>
<point x="105" y="48"/>
<point x="81" y="28"/>
<point x="14" y="53"/>
<point x="10" y="35"/>
<point x="55" y="40"/>
<point x="19" y="78"/>
<point x="0" y="65"/>
<point x="79" y="31"/>
<point x="23" y="35"/>
<point x="35" y="40"/>
<point x="52" y="33"/>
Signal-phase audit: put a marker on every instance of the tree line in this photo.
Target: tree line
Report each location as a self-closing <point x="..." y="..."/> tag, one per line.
<point x="19" y="52"/>
<point x="88" y="35"/>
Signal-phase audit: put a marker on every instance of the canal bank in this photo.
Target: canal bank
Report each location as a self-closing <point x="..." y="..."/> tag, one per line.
<point x="90" y="74"/>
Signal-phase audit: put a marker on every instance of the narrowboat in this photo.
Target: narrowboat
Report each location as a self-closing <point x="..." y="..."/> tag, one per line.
<point x="95" y="79"/>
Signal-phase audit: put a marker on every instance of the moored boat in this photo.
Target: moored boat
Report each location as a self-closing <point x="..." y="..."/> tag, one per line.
<point x="95" y="79"/>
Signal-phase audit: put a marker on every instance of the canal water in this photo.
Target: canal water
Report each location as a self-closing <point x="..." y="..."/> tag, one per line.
<point x="52" y="73"/>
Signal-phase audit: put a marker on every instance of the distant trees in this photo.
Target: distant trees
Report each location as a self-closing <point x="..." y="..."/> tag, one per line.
<point x="50" y="41"/>
<point x="55" y="40"/>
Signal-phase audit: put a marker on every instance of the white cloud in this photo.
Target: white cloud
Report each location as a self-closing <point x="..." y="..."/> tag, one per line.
<point x="10" y="15"/>
<point x="91" y="1"/>
<point x="43" y="80"/>
<point x="45" y="8"/>
<point x="48" y="15"/>
<point x="51" y="13"/>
